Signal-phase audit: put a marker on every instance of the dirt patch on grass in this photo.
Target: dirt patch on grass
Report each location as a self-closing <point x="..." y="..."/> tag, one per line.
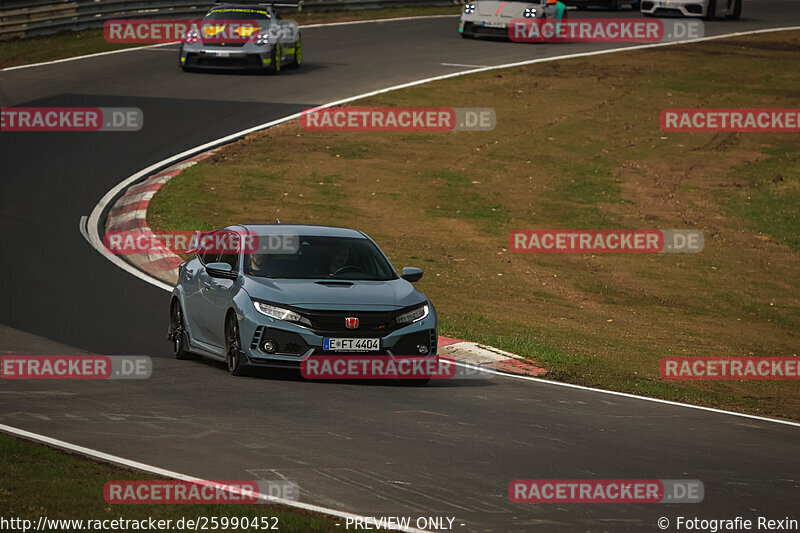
<point x="577" y="145"/>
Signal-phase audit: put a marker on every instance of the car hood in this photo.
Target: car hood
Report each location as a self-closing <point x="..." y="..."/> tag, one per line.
<point x="492" y="8"/>
<point x="335" y="295"/>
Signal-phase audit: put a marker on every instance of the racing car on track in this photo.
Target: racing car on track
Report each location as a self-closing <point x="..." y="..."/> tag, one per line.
<point x="490" y="18"/>
<point x="242" y="36"/>
<point x="299" y="291"/>
<point x="614" y="5"/>
<point x="708" y="9"/>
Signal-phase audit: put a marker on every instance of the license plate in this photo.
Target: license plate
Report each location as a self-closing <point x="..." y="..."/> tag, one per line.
<point x="222" y="54"/>
<point x="351" y="345"/>
<point x="494" y="24"/>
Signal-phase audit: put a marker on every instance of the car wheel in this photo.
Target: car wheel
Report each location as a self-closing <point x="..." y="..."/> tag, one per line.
<point x="711" y="10"/>
<point x="737" y="10"/>
<point x="233" y="345"/>
<point x="177" y="333"/>
<point x="298" y="53"/>
<point x="276" y="59"/>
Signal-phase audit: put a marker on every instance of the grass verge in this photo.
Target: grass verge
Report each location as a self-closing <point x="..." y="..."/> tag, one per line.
<point x="577" y="145"/>
<point x="39" y="481"/>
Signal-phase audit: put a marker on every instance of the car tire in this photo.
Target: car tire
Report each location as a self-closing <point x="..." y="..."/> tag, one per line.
<point x="298" y="53"/>
<point x="737" y="10"/>
<point x="177" y="332"/>
<point x="276" y="59"/>
<point x="711" y="11"/>
<point x="233" y="347"/>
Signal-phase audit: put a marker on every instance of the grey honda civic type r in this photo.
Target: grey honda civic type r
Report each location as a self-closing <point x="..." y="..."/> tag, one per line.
<point x="290" y="292"/>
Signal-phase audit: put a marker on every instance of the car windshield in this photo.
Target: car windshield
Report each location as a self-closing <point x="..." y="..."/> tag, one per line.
<point x="315" y="257"/>
<point x="237" y="14"/>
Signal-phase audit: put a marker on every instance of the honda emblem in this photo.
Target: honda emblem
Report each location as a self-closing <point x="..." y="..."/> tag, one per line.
<point x="351" y="322"/>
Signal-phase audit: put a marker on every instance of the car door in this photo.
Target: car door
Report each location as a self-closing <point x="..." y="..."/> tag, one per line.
<point x="217" y="295"/>
<point x="200" y="304"/>
<point x="192" y="297"/>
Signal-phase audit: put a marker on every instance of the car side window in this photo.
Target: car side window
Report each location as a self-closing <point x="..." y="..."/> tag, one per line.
<point x="229" y="253"/>
<point x="208" y="257"/>
<point x="231" y="259"/>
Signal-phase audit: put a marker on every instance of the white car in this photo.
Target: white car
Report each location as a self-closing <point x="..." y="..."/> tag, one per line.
<point x="490" y="18"/>
<point x="707" y="9"/>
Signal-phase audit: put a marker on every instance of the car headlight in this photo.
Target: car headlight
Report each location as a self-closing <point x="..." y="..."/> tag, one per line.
<point x="413" y="316"/>
<point x="262" y="39"/>
<point x="280" y="313"/>
<point x="469" y="9"/>
<point x="530" y="13"/>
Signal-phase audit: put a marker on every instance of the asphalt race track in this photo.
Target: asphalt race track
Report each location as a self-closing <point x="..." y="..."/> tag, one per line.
<point x="456" y="446"/>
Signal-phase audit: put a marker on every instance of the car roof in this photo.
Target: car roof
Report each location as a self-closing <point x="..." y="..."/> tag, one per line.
<point x="302" y="229"/>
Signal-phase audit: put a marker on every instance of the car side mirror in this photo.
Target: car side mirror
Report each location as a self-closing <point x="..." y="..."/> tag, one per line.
<point x="412" y="274"/>
<point x="220" y="270"/>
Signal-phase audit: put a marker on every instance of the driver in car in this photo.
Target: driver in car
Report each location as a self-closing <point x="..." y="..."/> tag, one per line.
<point x="339" y="257"/>
<point x="258" y="264"/>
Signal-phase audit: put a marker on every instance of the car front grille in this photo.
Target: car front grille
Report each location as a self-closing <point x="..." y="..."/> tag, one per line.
<point x="477" y="29"/>
<point x="202" y="60"/>
<point x="370" y="323"/>
<point x="661" y="11"/>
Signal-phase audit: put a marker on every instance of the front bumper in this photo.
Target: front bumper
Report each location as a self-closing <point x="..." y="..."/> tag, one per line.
<point x="207" y="57"/>
<point x="293" y="343"/>
<point x="480" y="29"/>
<point x="684" y="8"/>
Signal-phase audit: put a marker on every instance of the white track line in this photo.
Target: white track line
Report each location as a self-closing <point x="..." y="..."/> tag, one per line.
<point x="87" y="56"/>
<point x="463" y="65"/>
<point x="176" y="475"/>
<point x="137" y="48"/>
<point x="90" y="229"/>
